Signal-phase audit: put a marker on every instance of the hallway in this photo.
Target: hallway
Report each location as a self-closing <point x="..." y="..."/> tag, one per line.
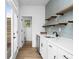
<point x="27" y="52"/>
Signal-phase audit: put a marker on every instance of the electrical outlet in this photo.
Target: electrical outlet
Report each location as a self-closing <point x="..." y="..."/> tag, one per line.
<point x="59" y="29"/>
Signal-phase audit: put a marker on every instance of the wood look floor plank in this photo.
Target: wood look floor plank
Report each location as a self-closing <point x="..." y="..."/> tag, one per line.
<point x="27" y="52"/>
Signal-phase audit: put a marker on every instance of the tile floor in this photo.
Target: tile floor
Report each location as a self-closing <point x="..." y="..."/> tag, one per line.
<point x="27" y="52"/>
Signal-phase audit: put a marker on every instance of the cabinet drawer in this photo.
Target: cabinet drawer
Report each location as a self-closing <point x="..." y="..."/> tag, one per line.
<point x="52" y="51"/>
<point x="52" y="48"/>
<point x="64" y="55"/>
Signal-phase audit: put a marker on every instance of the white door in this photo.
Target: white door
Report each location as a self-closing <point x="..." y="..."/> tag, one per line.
<point x="28" y="33"/>
<point x="15" y="30"/>
<point x="28" y="27"/>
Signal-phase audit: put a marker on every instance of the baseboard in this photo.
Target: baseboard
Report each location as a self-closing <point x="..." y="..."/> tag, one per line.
<point x="15" y="54"/>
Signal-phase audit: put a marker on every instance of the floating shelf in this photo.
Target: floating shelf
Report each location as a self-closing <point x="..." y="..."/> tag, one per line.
<point x="51" y="17"/>
<point x="65" y="10"/>
<point x="70" y="21"/>
<point x="48" y="25"/>
<point x="61" y="23"/>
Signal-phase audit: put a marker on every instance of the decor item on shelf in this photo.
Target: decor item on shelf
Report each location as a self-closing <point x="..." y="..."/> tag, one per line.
<point x="43" y="32"/>
<point x="51" y="17"/>
<point x="60" y="14"/>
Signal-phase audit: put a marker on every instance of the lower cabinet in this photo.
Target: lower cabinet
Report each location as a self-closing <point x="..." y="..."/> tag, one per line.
<point x="55" y="52"/>
<point x="43" y="48"/>
<point x="64" y="55"/>
<point x="52" y="51"/>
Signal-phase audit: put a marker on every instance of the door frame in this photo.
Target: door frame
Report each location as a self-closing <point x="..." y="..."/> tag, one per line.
<point x="9" y="2"/>
<point x="14" y="9"/>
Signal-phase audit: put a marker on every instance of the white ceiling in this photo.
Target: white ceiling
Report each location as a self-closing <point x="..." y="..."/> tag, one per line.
<point x="33" y="2"/>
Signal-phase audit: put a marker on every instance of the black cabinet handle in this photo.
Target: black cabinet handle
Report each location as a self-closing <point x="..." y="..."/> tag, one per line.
<point x="14" y="37"/>
<point x="65" y="56"/>
<point x="50" y="46"/>
<point x="54" y="57"/>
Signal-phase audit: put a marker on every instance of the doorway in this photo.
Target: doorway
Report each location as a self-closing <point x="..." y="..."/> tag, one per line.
<point x="28" y="28"/>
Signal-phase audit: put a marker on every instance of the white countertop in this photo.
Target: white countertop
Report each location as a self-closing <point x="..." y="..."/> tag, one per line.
<point x="61" y="42"/>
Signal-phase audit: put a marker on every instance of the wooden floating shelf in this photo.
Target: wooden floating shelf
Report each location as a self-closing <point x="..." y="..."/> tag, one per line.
<point x="60" y="24"/>
<point x="65" y="10"/>
<point x="55" y="24"/>
<point x="51" y="17"/>
<point x="48" y="25"/>
<point x="70" y="21"/>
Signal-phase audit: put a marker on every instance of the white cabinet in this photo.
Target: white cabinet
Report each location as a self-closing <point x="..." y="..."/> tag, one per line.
<point x="64" y="55"/>
<point x="43" y="48"/>
<point x="52" y="51"/>
<point x="49" y="50"/>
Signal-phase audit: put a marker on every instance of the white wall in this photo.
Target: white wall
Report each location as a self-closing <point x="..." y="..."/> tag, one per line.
<point x="51" y="9"/>
<point x="3" y="50"/>
<point x="55" y="6"/>
<point x="21" y="32"/>
<point x="38" y="19"/>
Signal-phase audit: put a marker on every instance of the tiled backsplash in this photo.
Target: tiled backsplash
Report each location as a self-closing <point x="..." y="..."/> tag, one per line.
<point x="65" y="31"/>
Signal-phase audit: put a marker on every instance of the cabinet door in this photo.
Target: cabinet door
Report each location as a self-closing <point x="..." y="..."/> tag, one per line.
<point x="52" y="51"/>
<point x="43" y="48"/>
<point x="64" y="55"/>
